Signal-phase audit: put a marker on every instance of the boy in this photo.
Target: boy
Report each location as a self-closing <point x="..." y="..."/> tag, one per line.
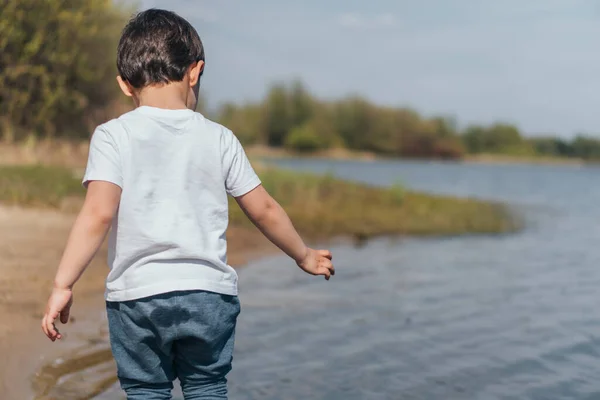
<point x="160" y="176"/>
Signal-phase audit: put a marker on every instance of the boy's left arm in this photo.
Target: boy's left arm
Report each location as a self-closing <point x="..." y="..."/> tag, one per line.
<point x="86" y="237"/>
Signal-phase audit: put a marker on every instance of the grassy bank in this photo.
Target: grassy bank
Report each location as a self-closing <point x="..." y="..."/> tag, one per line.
<point x="266" y="152"/>
<point x="38" y="186"/>
<point x="319" y="206"/>
<point x="325" y="206"/>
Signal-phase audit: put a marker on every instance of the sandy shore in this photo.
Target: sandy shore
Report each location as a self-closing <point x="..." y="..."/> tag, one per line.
<point x="31" y="246"/>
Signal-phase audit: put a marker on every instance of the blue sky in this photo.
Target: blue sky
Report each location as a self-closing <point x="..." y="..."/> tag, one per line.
<point x="535" y="63"/>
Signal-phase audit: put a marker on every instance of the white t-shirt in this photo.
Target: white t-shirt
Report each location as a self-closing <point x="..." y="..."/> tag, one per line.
<point x="175" y="168"/>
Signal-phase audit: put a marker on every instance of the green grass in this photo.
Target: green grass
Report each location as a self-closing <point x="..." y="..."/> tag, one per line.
<point x="325" y="207"/>
<point x="320" y="206"/>
<point x="39" y="186"/>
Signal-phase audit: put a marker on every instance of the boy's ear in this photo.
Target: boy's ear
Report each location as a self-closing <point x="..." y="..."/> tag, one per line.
<point x="125" y="88"/>
<point x="194" y="72"/>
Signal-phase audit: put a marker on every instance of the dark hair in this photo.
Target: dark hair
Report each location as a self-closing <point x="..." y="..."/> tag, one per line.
<point x="157" y="46"/>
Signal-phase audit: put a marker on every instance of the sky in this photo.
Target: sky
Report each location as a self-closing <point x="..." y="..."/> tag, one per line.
<point x="534" y="63"/>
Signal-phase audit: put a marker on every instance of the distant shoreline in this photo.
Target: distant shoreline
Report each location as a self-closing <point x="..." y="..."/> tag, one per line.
<point x="259" y="151"/>
<point x="504" y="159"/>
<point x="73" y="153"/>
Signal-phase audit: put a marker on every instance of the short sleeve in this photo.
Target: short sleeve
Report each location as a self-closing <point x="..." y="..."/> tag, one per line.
<point x="240" y="177"/>
<point x="103" y="160"/>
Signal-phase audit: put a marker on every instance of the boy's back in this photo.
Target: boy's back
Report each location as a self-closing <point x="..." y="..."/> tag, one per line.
<point x="175" y="169"/>
<point x="160" y="176"/>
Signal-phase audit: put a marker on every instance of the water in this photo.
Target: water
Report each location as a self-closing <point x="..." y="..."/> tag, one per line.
<point x="475" y="317"/>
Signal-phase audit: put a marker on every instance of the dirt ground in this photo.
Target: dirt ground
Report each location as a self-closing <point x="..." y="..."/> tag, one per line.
<point x="31" y="243"/>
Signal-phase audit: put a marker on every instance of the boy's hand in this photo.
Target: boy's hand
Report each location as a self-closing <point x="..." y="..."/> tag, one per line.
<point x="317" y="262"/>
<point x="59" y="304"/>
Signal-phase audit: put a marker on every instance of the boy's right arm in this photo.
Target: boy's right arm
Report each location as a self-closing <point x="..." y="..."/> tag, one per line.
<point x="274" y="223"/>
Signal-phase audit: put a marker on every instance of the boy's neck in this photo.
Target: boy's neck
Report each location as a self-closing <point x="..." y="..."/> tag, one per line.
<point x="170" y="97"/>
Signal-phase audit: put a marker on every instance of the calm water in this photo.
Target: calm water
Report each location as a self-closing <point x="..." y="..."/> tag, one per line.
<point x="510" y="317"/>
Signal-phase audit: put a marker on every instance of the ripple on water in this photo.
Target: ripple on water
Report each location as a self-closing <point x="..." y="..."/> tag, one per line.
<point x="509" y="317"/>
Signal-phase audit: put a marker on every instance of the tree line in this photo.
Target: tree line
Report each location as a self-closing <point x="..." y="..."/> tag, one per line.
<point x="57" y="68"/>
<point x="289" y="116"/>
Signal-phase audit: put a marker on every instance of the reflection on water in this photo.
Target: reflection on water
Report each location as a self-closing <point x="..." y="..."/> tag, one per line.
<point x="492" y="317"/>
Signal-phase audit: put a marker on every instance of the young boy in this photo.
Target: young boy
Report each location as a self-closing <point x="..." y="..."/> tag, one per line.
<point x="160" y="176"/>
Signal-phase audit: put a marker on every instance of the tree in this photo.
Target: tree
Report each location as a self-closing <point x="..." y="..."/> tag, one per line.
<point x="318" y="133"/>
<point x="57" y="65"/>
<point x="586" y="147"/>
<point x="247" y="122"/>
<point x="474" y="138"/>
<point x="353" y="119"/>
<point x="551" y="146"/>
<point x="301" y="104"/>
<point x="503" y="138"/>
<point x="498" y="138"/>
<point x="278" y="115"/>
<point x="445" y="127"/>
<point x="304" y="139"/>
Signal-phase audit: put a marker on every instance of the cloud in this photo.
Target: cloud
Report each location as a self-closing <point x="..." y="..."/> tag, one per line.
<point x="205" y="14"/>
<point x="385" y="20"/>
<point x="351" y="21"/>
<point x="361" y="21"/>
